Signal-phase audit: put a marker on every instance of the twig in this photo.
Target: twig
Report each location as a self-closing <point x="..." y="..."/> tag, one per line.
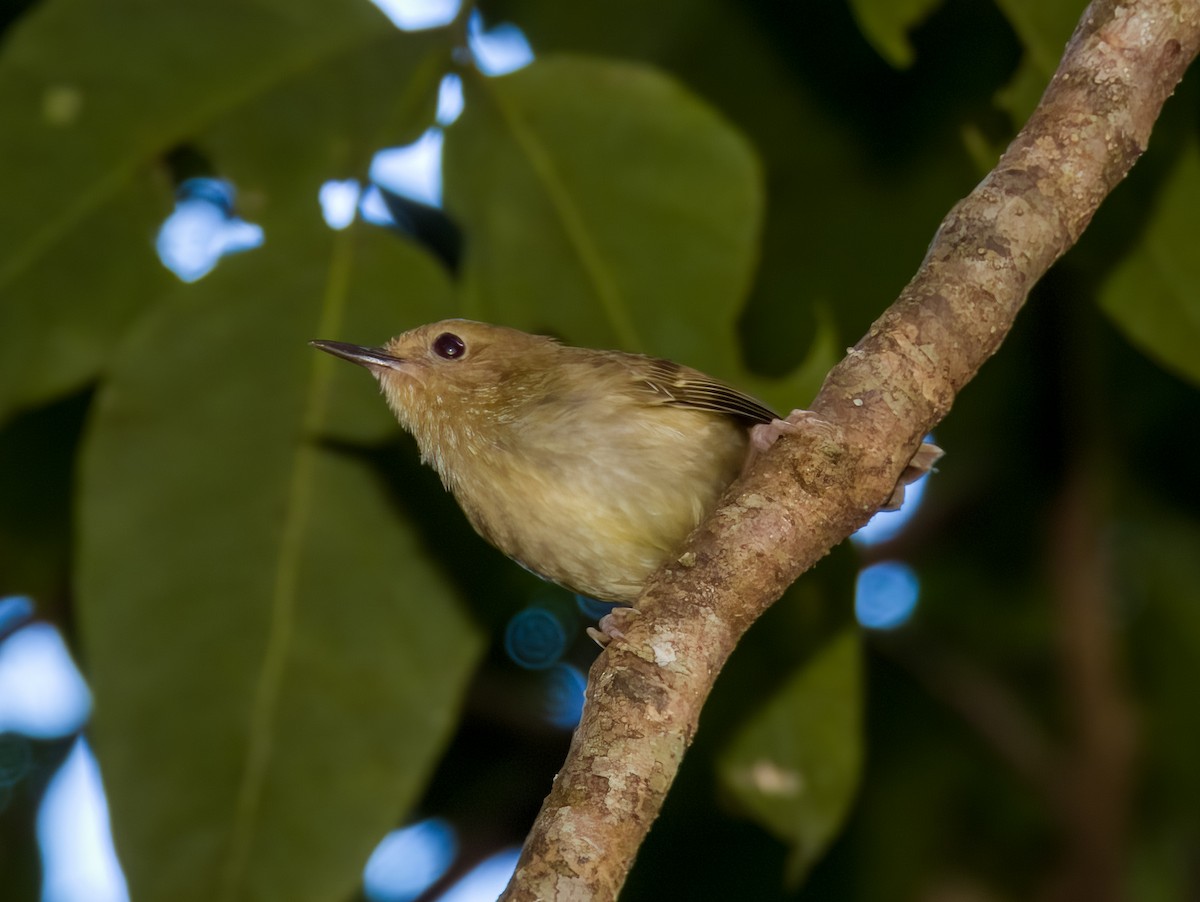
<point x="1098" y="782"/>
<point x="989" y="707"/>
<point x="812" y="490"/>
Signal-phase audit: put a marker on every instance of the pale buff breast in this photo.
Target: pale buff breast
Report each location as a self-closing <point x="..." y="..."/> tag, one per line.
<point x="598" y="508"/>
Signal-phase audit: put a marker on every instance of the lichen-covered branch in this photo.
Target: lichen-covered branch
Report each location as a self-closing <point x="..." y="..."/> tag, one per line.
<point x="813" y="489"/>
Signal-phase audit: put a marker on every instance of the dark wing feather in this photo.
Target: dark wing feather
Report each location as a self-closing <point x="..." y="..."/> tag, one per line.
<point x="683" y="386"/>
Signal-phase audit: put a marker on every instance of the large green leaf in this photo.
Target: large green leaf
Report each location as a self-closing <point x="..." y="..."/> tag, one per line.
<point x="280" y="147"/>
<point x="852" y="197"/>
<point x="641" y="207"/>
<point x="276" y="662"/>
<point x="1153" y="294"/>
<point x="619" y="211"/>
<point x="630" y="220"/>
<point x="271" y="692"/>
<point x="794" y="766"/>
<point x="93" y="96"/>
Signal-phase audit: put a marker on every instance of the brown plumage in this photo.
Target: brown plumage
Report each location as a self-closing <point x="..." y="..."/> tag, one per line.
<point x="588" y="467"/>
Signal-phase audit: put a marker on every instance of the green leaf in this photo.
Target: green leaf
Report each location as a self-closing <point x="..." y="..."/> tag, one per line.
<point x="280" y="147"/>
<point x="641" y="208"/>
<point x="630" y="220"/>
<point x="310" y="710"/>
<point x="276" y="661"/>
<point x="886" y="24"/>
<point x="93" y="96"/>
<point x="794" y="766"/>
<point x="1153" y="293"/>
<point x="853" y="194"/>
<point x="1021" y="95"/>
<point x="1044" y="27"/>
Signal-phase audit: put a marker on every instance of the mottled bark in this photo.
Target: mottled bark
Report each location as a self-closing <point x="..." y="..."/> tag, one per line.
<point x="813" y="489"/>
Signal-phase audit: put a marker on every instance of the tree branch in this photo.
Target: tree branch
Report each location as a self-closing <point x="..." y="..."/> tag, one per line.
<point x="813" y="489"/>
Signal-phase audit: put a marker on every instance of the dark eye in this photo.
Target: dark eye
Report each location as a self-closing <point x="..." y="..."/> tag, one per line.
<point x="449" y="345"/>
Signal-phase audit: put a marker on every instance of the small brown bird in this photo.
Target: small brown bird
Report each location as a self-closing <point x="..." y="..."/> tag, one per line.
<point x="588" y="467"/>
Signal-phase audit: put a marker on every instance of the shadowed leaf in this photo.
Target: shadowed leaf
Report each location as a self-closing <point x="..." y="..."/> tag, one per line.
<point x="1153" y="294"/>
<point x="794" y="766"/>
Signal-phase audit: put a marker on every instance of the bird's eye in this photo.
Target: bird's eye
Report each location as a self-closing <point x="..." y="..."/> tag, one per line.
<point x="449" y="345"/>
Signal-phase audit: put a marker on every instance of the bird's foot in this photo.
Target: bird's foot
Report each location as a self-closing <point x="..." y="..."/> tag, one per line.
<point x="922" y="462"/>
<point x="764" y="435"/>
<point x="612" y="625"/>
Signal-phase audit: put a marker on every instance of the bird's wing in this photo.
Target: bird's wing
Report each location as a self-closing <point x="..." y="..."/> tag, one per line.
<point x="682" y="386"/>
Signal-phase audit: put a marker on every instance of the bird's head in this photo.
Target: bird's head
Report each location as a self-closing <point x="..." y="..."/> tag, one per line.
<point x="454" y="375"/>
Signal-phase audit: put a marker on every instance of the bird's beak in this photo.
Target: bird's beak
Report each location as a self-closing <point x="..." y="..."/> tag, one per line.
<point x="371" y="358"/>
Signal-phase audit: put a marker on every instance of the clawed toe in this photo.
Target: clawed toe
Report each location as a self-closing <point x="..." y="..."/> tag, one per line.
<point x="764" y="435"/>
<point x="922" y="462"/>
<point x="612" y="625"/>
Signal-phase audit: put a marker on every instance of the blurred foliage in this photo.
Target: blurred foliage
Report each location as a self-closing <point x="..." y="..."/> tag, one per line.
<point x="293" y="636"/>
<point x="887" y="23"/>
<point x="795" y="765"/>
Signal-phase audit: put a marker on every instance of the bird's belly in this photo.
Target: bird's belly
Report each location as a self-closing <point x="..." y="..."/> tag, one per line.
<point x="598" y="504"/>
<point x="602" y="538"/>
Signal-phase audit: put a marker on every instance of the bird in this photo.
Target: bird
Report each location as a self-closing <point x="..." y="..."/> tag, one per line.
<point x="588" y="467"/>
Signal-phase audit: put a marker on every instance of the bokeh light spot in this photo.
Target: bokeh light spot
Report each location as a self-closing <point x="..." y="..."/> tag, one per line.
<point x="339" y="202"/>
<point x="501" y="50"/>
<point x="450" y="100"/>
<point x="42" y="693"/>
<point x="374" y="208"/>
<point x="417" y="15"/>
<point x="202" y="229"/>
<point x="486" y="881"/>
<point x="15" y="610"/>
<point x="565" y="688"/>
<point x="79" y="863"/>
<point x="535" y="638"/>
<point x="409" y="861"/>
<point x="886" y="595"/>
<point x="886" y="525"/>
<point x="413" y="171"/>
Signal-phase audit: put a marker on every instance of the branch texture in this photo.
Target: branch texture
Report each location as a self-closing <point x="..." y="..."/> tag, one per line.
<point x="813" y="489"/>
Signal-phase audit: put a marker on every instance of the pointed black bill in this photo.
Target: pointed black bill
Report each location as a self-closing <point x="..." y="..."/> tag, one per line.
<point x="368" y="357"/>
